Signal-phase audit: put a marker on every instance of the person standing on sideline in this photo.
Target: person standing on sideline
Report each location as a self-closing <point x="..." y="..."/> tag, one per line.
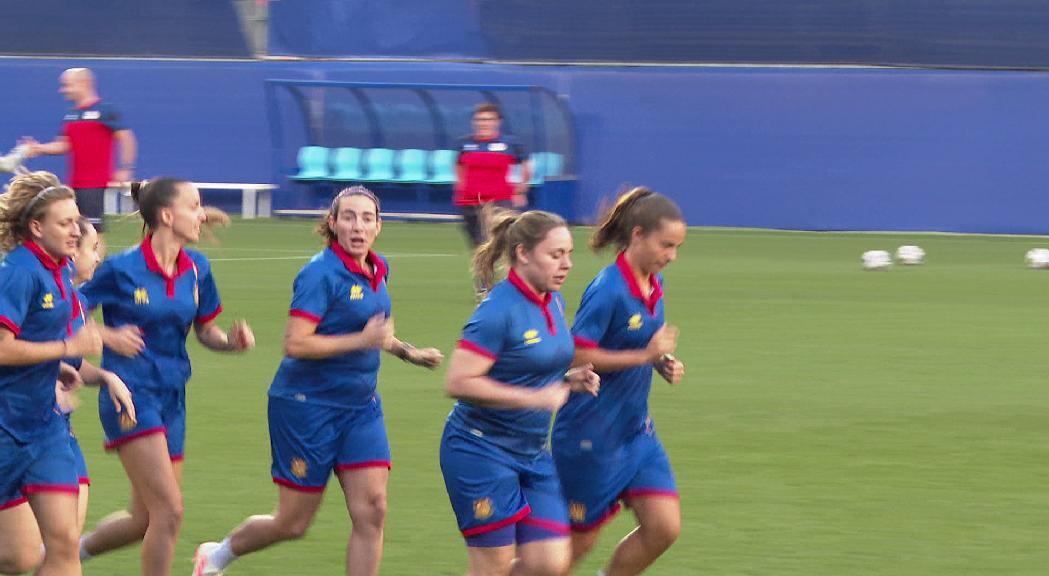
<point x="166" y="290"/>
<point x="509" y="373"/>
<point x="38" y="478"/>
<point x="605" y="447"/>
<point x="325" y="414"/>
<point x="89" y="130"/>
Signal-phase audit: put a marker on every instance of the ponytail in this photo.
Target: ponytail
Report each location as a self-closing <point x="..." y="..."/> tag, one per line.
<point x="637" y="207"/>
<point x="508" y="229"/>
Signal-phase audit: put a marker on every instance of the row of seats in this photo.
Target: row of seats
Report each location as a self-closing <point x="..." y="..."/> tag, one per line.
<point x="410" y="165"/>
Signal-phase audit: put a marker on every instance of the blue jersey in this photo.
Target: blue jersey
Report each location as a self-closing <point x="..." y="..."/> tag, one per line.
<point x="132" y="289"/>
<point x="340" y="296"/>
<point x="529" y="341"/>
<point x="80" y="308"/>
<point x="37" y="301"/>
<point x="614" y="315"/>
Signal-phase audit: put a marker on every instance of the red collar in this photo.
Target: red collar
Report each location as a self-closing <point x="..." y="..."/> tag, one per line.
<point x="55" y="267"/>
<point x="377" y="264"/>
<point x="183" y="264"/>
<point x="635" y="288"/>
<point x="533" y="297"/>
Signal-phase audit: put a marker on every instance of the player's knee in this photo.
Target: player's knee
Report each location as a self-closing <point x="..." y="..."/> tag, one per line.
<point x="19" y="561"/>
<point x="548" y="565"/>
<point x="370" y="511"/>
<point x="663" y="533"/>
<point x="167" y="516"/>
<point x="294" y="529"/>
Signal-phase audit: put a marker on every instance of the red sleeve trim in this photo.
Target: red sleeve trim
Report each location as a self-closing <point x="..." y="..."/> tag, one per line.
<point x="209" y="317"/>
<point x="548" y="525"/>
<point x="113" y="444"/>
<point x="54" y="488"/>
<point x="604" y="519"/>
<point x="486" y="528"/>
<point x="84" y="481"/>
<point x="366" y="464"/>
<point x="304" y="314"/>
<point x="581" y="342"/>
<point x="477" y="349"/>
<point x="10" y="325"/>
<point x="298" y="487"/>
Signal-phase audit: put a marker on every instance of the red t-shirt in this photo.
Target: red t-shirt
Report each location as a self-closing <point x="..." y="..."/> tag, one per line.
<point x="486" y="167"/>
<point x="90" y="130"/>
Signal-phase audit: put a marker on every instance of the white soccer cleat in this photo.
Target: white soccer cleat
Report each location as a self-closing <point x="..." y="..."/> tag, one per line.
<point x="910" y="255"/>
<point x="202" y="560"/>
<point x="12" y="161"/>
<point x="876" y="260"/>
<point x="1037" y="258"/>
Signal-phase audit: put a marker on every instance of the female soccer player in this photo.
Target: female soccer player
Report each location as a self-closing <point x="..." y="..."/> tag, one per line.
<point x="508" y="374"/>
<point x="606" y="448"/>
<point x="325" y="415"/>
<point x="86" y="259"/>
<point x="38" y="229"/>
<point x="162" y="289"/>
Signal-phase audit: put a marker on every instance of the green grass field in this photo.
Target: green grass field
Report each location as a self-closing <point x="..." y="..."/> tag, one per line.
<point x="831" y="422"/>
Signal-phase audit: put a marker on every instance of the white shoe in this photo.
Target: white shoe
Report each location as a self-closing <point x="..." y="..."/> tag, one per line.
<point x="13" y="160"/>
<point x="202" y="560"/>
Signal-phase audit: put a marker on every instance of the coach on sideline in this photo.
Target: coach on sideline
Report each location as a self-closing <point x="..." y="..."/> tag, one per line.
<point x="88" y="132"/>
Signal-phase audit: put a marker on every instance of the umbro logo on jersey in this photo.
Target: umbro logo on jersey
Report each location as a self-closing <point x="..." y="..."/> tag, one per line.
<point x="497" y="147"/>
<point x="92" y="115"/>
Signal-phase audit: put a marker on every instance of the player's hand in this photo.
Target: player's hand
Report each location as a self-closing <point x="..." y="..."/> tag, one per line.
<point x="68" y="377"/>
<point x="119" y="395"/>
<point x="551" y="397"/>
<point x="520" y="197"/>
<point x="125" y="340"/>
<point x="123" y="177"/>
<point x="378" y="332"/>
<point x="65" y="400"/>
<point x="240" y="336"/>
<point x="670" y="368"/>
<point x="425" y="357"/>
<point x="86" y="342"/>
<point x="583" y="379"/>
<point x="32" y="146"/>
<point x="664" y="341"/>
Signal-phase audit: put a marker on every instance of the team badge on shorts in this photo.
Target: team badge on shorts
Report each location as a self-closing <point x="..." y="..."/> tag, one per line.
<point x="126" y="423"/>
<point x="577" y="511"/>
<point x="532" y="337"/>
<point x="298" y="467"/>
<point x="634" y="323"/>
<point x="483" y="508"/>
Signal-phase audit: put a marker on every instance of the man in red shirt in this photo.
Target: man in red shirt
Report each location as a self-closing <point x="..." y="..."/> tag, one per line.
<point x="483" y="171"/>
<point x="89" y="130"/>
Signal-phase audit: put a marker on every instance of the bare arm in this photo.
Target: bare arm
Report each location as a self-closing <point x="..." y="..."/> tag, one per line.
<point x="60" y="145"/>
<point x="15" y="352"/>
<point x="467" y="379"/>
<point x="239" y="338"/>
<point x="664" y="341"/>
<point x="128" y="154"/>
<point x="302" y="341"/>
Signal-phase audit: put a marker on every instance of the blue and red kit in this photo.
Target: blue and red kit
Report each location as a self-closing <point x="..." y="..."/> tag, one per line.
<point x="485" y="166"/>
<point x="133" y="289"/>
<point x="605" y="446"/>
<point x="325" y="415"/>
<point x="497" y="466"/>
<point x="37" y="302"/>
<point x="90" y="132"/>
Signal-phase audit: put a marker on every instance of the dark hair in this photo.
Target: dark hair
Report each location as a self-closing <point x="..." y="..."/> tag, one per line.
<point x="488" y="107"/>
<point x="638" y="207"/>
<point x="152" y="195"/>
<point x="84" y="224"/>
<point x="333" y="211"/>
<point x="27" y="198"/>
<point x="507" y="230"/>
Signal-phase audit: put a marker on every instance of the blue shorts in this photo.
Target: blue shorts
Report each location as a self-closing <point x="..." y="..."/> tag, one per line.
<point x="80" y="464"/>
<point x="499" y="498"/>
<point x="158" y="412"/>
<point x="309" y="441"/>
<point x="594" y="484"/>
<point x="43" y="465"/>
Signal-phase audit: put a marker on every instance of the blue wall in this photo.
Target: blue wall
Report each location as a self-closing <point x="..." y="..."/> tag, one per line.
<point x="966" y="33"/>
<point x="824" y="149"/>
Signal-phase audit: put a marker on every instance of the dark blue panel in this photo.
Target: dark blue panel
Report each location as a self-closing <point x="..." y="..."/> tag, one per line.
<point x="122" y="28"/>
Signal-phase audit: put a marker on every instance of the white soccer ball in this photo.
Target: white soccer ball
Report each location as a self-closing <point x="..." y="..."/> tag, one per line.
<point x="1037" y="258"/>
<point x="910" y="255"/>
<point x="876" y="260"/>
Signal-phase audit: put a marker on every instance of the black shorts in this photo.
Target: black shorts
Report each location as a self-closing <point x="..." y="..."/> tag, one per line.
<point x="473" y="221"/>
<point x="91" y="202"/>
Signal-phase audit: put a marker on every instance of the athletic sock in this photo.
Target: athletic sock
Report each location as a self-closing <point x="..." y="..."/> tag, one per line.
<point x="223" y="555"/>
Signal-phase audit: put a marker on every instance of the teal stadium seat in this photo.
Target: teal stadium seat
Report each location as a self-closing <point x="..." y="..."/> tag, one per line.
<point x="379" y="167"/>
<point x="313" y="163"/>
<point x="347" y="163"/>
<point x="555" y="164"/>
<point x="411" y="164"/>
<point x="443" y="163"/>
<point x="538" y="161"/>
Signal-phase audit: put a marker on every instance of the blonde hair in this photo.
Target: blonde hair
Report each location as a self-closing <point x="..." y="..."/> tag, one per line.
<point x="27" y="198"/>
<point x="507" y="230"/>
<point x="637" y="207"/>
